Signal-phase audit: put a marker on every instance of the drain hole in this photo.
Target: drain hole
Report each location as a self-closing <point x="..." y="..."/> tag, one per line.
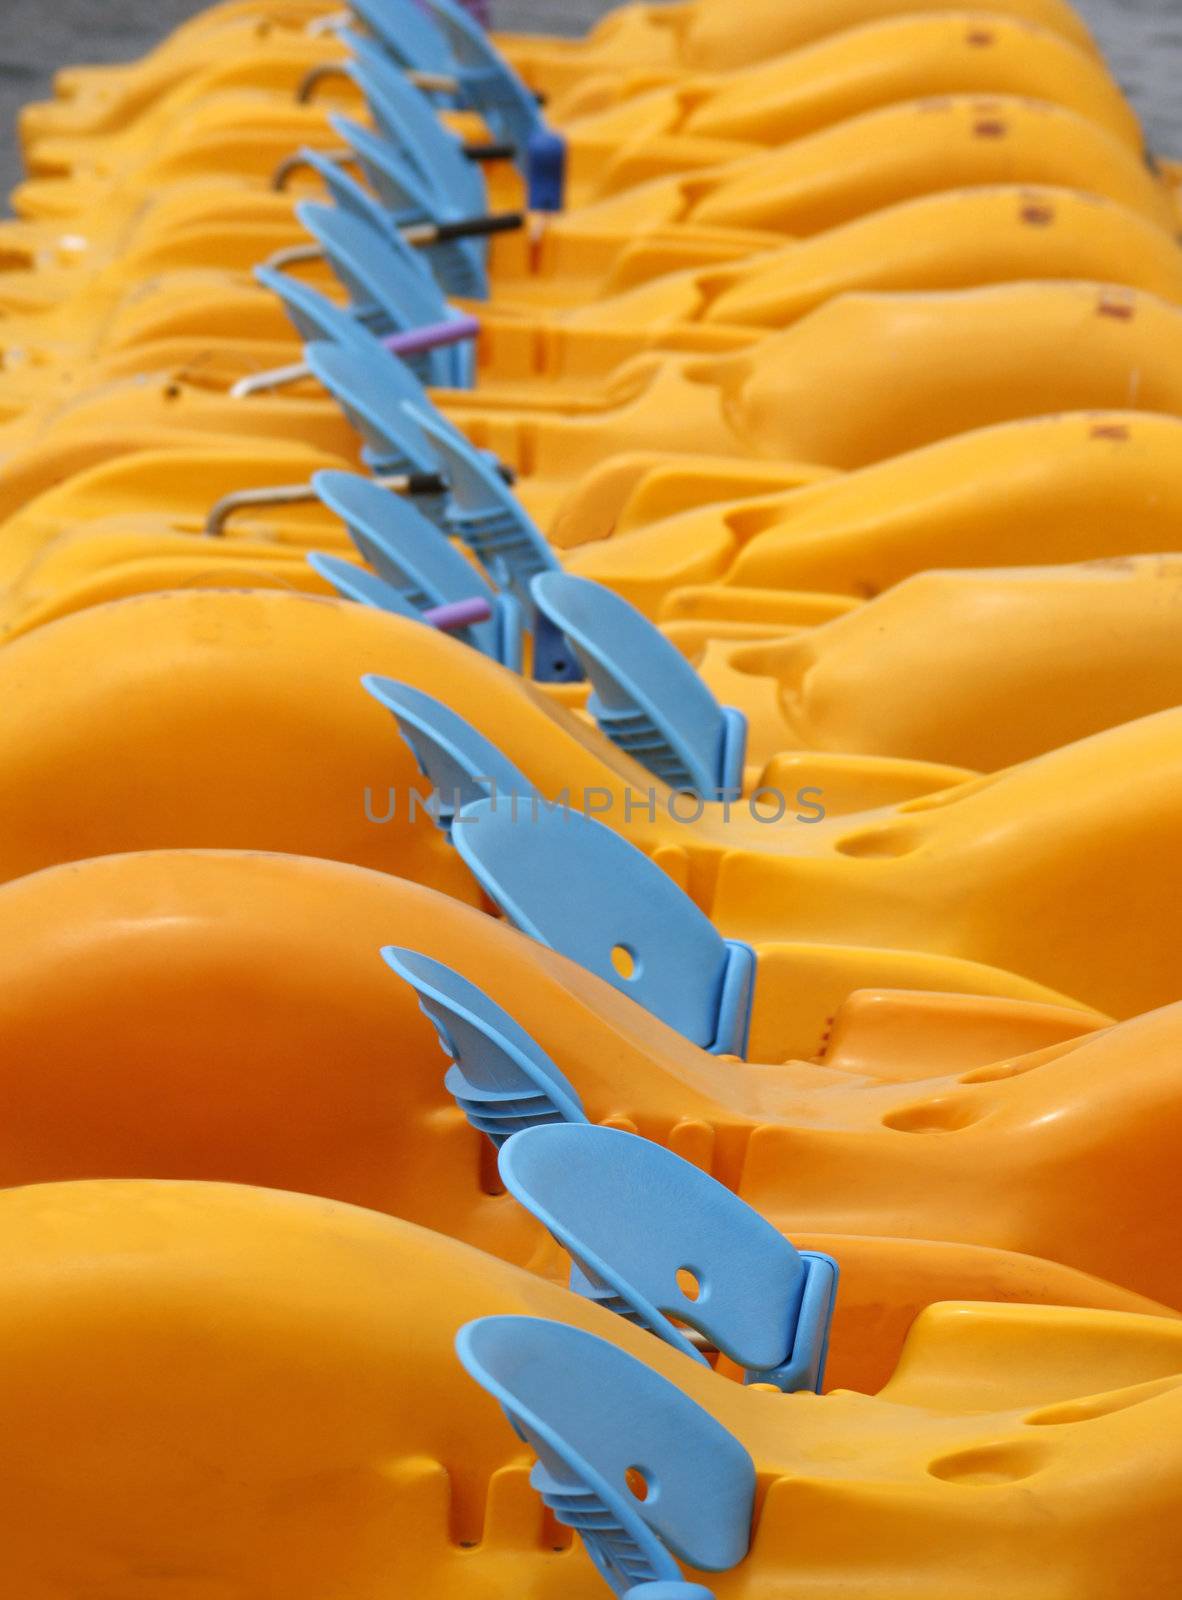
<point x="689" y="1283"/>
<point x="637" y="1483"/>
<point x="624" y="962"/>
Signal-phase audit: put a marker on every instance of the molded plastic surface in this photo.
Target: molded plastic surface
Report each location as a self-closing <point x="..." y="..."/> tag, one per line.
<point x="390" y="285"/>
<point x="654" y="1238"/>
<point x="499" y="1077"/>
<point x="647" y="697"/>
<point x="353" y="583"/>
<point x="597" y="1419"/>
<point x="410" y="553"/>
<point x="846" y="1156"/>
<point x="576" y="886"/>
<point x="274" y="1332"/>
<point x="315" y="317"/>
<point x="347" y="194"/>
<point x="485" y="513"/>
<point x="407" y="33"/>
<point x="490" y="84"/>
<point x="459" y="265"/>
<point x="407" y="122"/>
<point x="368" y="384"/>
<point x="461" y="765"/>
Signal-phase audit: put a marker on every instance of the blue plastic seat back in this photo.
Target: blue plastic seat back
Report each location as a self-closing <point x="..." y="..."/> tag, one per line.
<point x="346" y="193"/>
<point x="398" y="184"/>
<point x="490" y="84"/>
<point x="460" y="764"/>
<point x="648" y="700"/>
<point x="400" y="543"/>
<point x="366" y="385"/>
<point x="581" y="889"/>
<point x="410" y="553"/>
<point x="655" y="1238"/>
<point x="499" y="1077"/>
<point x="459" y="266"/>
<point x="354" y="583"/>
<point x="486" y="514"/>
<point x="407" y="33"/>
<point x="390" y="287"/>
<point x="508" y="107"/>
<point x="315" y="318"/>
<point x="380" y="386"/>
<point x="660" y="1589"/>
<point x="407" y="121"/>
<point x="607" y="1430"/>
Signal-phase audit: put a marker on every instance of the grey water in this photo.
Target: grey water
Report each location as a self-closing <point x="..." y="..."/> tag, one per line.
<point x="1141" y="38"/>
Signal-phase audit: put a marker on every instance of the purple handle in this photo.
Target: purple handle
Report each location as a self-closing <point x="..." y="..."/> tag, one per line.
<point x="458" y="614"/>
<point x="414" y="341"/>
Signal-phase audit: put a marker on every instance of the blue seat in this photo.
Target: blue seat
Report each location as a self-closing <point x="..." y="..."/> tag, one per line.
<point x="459" y="266"/>
<point x="354" y="583"/>
<point x="647" y="698"/>
<point x="372" y="384"/>
<point x="460" y="764"/>
<point x="485" y="513"/>
<point x="661" y="1590"/>
<point x="315" y="318"/>
<point x="654" y="1238"/>
<point x="386" y="403"/>
<point x="418" y="168"/>
<point x="390" y="287"/>
<point x="501" y="1080"/>
<point x="410" y="553"/>
<point x="506" y="104"/>
<point x="390" y="292"/>
<point x="407" y="34"/>
<point x="583" y="890"/>
<point x="488" y="517"/>
<point x="407" y="122"/>
<point x="347" y="194"/>
<point x="606" y="1429"/>
<point x="406" y="196"/>
<point x="489" y="83"/>
<point x="366" y="384"/>
<point x="485" y="79"/>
